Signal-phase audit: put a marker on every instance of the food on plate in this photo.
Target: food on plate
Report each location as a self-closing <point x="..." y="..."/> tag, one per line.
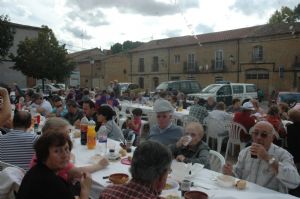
<point x="119" y="178"/>
<point x="226" y="180"/>
<point x="122" y="152"/>
<point x="241" y="184"/>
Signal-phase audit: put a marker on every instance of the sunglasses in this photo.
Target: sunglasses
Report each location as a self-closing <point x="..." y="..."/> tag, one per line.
<point x="262" y="134"/>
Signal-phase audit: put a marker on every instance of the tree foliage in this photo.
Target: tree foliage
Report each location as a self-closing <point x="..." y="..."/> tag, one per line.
<point x="6" y="36"/>
<point x="43" y="57"/>
<point x="116" y="48"/>
<point x="285" y="15"/>
<point x="127" y="45"/>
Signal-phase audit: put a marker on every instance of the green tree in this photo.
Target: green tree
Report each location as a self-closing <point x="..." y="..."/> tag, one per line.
<point x="116" y="48"/>
<point x="127" y="45"/>
<point x="6" y="36"/>
<point x="43" y="57"/>
<point x="286" y="15"/>
<point x="297" y="12"/>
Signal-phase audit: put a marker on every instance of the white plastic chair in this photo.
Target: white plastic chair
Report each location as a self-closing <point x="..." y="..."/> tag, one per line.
<point x="216" y="161"/>
<point x="10" y="177"/>
<point x="186" y="119"/>
<point x="215" y="129"/>
<point x="235" y="130"/>
<point x="151" y="117"/>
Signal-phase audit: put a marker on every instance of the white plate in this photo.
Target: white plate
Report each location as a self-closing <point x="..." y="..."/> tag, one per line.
<point x="225" y="180"/>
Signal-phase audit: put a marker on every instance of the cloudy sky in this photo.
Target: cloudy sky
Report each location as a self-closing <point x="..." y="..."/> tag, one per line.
<point x="84" y="24"/>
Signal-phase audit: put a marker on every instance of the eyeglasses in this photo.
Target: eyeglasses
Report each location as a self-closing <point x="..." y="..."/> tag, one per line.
<point x="262" y="134"/>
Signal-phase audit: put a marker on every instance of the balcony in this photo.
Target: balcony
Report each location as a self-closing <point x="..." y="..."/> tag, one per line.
<point x="190" y="67"/>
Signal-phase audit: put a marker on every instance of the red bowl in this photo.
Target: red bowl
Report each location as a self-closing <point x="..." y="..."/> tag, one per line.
<point x="119" y="178"/>
<point x="195" y="195"/>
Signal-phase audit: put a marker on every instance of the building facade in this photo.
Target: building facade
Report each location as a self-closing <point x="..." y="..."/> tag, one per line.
<point x="8" y="75"/>
<point x="266" y="55"/>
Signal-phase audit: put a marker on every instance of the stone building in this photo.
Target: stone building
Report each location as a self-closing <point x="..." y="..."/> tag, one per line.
<point x="98" y="68"/>
<point x="267" y="55"/>
<point x="10" y="76"/>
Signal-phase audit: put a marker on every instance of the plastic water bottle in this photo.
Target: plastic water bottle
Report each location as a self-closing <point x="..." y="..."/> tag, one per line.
<point x="83" y="130"/>
<point x="102" y="139"/>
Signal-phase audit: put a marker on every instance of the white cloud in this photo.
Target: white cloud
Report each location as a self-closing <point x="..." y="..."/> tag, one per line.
<point x="104" y="23"/>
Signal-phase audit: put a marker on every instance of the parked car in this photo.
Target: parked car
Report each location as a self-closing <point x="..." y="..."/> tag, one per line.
<point x="291" y="98"/>
<point x="185" y="86"/>
<point x="130" y="87"/>
<point x="48" y="88"/>
<point x="60" y="86"/>
<point x="226" y="92"/>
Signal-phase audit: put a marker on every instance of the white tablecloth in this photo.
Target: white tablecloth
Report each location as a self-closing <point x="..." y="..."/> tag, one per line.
<point x="205" y="179"/>
<point x="146" y="109"/>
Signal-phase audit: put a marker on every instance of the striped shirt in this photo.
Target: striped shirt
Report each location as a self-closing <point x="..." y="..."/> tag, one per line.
<point x="16" y="148"/>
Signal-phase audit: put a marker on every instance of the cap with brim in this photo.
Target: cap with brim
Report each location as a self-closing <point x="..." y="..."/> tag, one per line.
<point x="162" y="105"/>
<point x="248" y="106"/>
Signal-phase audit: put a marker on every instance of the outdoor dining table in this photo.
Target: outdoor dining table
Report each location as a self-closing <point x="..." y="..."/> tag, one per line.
<point x="146" y="108"/>
<point x="204" y="179"/>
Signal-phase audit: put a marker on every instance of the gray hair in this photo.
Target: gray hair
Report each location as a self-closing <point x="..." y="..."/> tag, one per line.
<point x="55" y="123"/>
<point x="150" y="161"/>
<point x="274" y="132"/>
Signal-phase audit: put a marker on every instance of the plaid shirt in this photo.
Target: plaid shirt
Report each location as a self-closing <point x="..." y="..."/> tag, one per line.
<point x="198" y="112"/>
<point x="132" y="190"/>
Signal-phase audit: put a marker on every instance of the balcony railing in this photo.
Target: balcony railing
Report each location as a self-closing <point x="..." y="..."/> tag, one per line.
<point x="189" y="68"/>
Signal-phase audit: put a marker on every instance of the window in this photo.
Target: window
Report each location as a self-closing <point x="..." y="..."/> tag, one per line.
<point x="155" y="64"/>
<point x="177" y="59"/>
<point x="141" y="65"/>
<point x="141" y="83"/>
<point x="173" y="78"/>
<point x="237" y="89"/>
<point x="250" y="88"/>
<point x="219" y="60"/>
<point x="257" y="74"/>
<point x="257" y="54"/>
<point x="191" y="63"/>
<point x="225" y="90"/>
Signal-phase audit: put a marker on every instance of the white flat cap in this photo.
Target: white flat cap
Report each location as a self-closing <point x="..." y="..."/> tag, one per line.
<point x="162" y="105"/>
<point x="248" y="106"/>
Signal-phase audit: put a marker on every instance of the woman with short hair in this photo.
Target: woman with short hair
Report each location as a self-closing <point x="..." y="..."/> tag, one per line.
<point x="41" y="181"/>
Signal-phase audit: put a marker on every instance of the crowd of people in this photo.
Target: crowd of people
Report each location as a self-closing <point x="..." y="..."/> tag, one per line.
<point x="47" y="158"/>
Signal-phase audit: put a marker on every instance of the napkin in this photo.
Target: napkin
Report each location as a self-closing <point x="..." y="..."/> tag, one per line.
<point x="184" y="171"/>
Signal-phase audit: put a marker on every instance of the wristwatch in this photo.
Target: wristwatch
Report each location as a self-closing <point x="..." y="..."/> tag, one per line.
<point x="271" y="161"/>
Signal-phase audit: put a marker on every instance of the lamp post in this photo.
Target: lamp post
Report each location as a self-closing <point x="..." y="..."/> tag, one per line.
<point x="91" y="64"/>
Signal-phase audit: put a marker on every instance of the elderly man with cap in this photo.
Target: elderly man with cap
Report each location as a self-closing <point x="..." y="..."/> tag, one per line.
<point x="164" y="131"/>
<point x="264" y="163"/>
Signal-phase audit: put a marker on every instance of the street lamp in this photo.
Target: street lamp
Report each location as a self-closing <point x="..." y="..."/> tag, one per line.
<point x="91" y="64"/>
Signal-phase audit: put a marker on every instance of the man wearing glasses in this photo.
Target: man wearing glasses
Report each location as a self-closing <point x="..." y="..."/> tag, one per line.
<point x="164" y="131"/>
<point x="264" y="163"/>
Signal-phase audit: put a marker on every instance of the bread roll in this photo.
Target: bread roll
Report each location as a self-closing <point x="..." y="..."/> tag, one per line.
<point x="241" y="184"/>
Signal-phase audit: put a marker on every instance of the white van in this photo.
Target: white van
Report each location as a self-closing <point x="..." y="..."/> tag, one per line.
<point x="226" y="92"/>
